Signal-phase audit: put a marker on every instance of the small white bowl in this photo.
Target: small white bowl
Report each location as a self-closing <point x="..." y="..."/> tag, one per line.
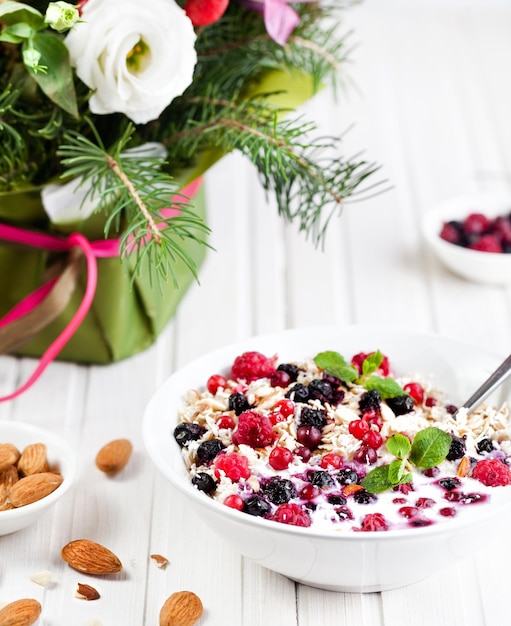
<point x="336" y="561"/>
<point x="61" y="457"/>
<point x="481" y="267"/>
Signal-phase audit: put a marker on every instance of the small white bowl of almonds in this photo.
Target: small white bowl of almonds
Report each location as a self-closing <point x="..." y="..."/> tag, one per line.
<point x="36" y="468"/>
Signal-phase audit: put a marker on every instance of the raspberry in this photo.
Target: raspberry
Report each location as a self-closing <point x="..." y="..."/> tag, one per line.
<point x="331" y="460"/>
<point x="292" y="514"/>
<point x="492" y="473"/>
<point x="476" y="224"/>
<point x="254" y="430"/>
<point x="374" y="522"/>
<point x="252" y="366"/>
<point x="234" y="466"/>
<point x="216" y="382"/>
<point x="486" y="243"/>
<point x="280" y="458"/>
<point x="452" y="232"/>
<point x="204" y="12"/>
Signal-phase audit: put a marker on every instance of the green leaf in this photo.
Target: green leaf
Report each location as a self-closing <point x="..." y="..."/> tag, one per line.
<point x="371" y="363"/>
<point x="387" y="387"/>
<point x="378" y="480"/>
<point x="397" y="472"/>
<point x="430" y="447"/>
<point x="16" y="12"/>
<point x="334" y="364"/>
<point x="57" y="82"/>
<point x="399" y="445"/>
<point x="17" y="33"/>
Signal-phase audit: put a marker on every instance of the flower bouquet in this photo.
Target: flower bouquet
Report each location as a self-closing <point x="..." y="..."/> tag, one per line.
<point x="110" y="112"/>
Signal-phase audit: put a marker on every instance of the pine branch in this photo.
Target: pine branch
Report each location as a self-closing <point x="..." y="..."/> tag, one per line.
<point x="132" y="192"/>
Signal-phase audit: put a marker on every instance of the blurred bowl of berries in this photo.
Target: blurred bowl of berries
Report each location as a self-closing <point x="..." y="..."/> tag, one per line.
<point x="471" y="235"/>
<point x="332" y="455"/>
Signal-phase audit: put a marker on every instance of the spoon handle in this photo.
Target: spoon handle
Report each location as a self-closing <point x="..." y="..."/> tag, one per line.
<point x="490" y="384"/>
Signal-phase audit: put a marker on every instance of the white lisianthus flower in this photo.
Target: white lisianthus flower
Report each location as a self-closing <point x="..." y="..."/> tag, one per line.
<point x="136" y="55"/>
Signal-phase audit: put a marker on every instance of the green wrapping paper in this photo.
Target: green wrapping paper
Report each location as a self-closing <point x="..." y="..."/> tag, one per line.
<point x="127" y="314"/>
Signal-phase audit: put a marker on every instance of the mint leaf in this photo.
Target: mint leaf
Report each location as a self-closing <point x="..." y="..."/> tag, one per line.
<point x="387" y="387"/>
<point x="377" y="480"/>
<point x="398" y="474"/>
<point x="334" y="364"/>
<point x="398" y="445"/>
<point x="371" y="363"/>
<point x="430" y="447"/>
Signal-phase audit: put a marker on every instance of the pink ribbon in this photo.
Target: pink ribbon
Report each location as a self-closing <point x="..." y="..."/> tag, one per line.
<point x="92" y="251"/>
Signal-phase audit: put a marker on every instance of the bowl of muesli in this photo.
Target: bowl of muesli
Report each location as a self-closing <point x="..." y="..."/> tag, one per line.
<point x="336" y="456"/>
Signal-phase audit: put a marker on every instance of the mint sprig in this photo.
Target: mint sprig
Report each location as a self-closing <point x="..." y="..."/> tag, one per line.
<point x="429" y="448"/>
<point x="336" y="365"/>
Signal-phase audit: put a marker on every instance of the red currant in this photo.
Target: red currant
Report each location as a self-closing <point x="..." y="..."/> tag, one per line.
<point x="416" y="391"/>
<point x="304" y="453"/>
<point x="376" y="421"/>
<point x="430" y="402"/>
<point x="373" y="439"/>
<point x="358" y="428"/>
<point x="225" y="421"/>
<point x="280" y="458"/>
<point x="408" y="511"/>
<point x="216" y="382"/>
<point x="310" y="491"/>
<point x="285" y="407"/>
<point x="331" y="460"/>
<point x="365" y="454"/>
<point x="234" y="502"/>
<point x="280" y="378"/>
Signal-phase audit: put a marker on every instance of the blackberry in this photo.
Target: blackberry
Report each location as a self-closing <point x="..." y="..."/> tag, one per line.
<point x="184" y="433"/>
<point x="255" y="505"/>
<point x="320" y="478"/>
<point x="279" y="490"/>
<point x="364" y="497"/>
<point x="344" y="513"/>
<point x="485" y="445"/>
<point x="313" y="417"/>
<point x="336" y="499"/>
<point x="204" y="482"/>
<point x="457" y="449"/>
<point x="369" y="400"/>
<point x="320" y="390"/>
<point x="298" y="393"/>
<point x="291" y="369"/>
<point x="401" y="404"/>
<point x="311" y="506"/>
<point x="419" y="522"/>
<point x="347" y="476"/>
<point x="449" y="483"/>
<point x="208" y="450"/>
<point x="238" y="403"/>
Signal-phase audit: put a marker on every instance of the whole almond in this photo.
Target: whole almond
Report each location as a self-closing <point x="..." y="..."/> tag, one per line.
<point x="33" y="459"/>
<point x="90" y="557"/>
<point x="9" y="455"/>
<point x="22" y="612"/>
<point x="34" y="487"/>
<point x="9" y="476"/>
<point x="182" y="608"/>
<point x="114" y="456"/>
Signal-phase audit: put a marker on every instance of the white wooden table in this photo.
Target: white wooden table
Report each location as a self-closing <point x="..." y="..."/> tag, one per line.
<point x="432" y="104"/>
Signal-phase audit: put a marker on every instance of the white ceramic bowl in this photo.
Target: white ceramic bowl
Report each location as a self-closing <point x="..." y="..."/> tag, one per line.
<point x="357" y="562"/>
<point x="481" y="267"/>
<point x="60" y="457"/>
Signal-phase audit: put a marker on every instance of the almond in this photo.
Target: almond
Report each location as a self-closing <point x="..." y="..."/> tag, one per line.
<point x="5" y="503"/>
<point x="161" y="561"/>
<point x="32" y="488"/>
<point x="33" y="459"/>
<point x="182" y="608"/>
<point x="9" y="455"/>
<point x="464" y="467"/>
<point x="9" y="476"/>
<point x="20" y="613"/>
<point x="114" y="456"/>
<point x="86" y="592"/>
<point x="90" y="557"/>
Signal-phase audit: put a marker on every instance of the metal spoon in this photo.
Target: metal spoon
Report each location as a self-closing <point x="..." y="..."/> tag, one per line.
<point x="502" y="372"/>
